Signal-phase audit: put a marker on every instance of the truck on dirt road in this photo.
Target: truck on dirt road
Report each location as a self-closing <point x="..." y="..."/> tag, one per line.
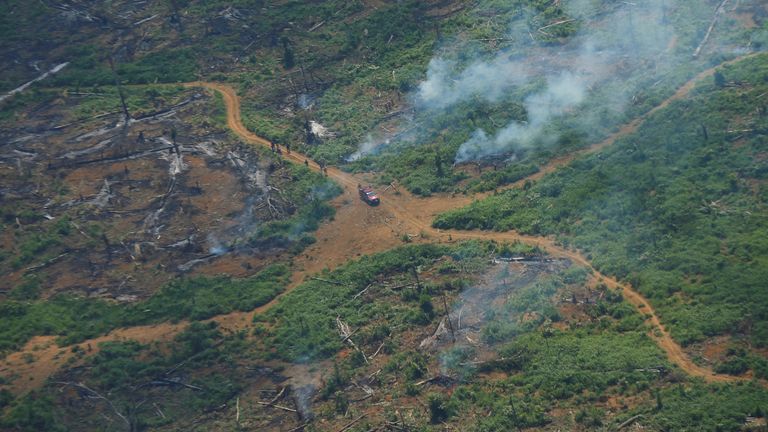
<point x="368" y="195"/>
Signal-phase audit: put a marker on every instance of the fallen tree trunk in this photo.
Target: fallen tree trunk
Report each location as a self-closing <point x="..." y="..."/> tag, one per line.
<point x="555" y="24"/>
<point x="40" y="78"/>
<point x="135" y="155"/>
<point x="276" y="406"/>
<point x="362" y="292"/>
<point x="47" y="263"/>
<point x="172" y="382"/>
<point x="352" y="423"/>
<point x="629" y="421"/>
<point x="346" y="334"/>
<point x="97" y="395"/>
<point x="709" y="30"/>
<point x="85" y="120"/>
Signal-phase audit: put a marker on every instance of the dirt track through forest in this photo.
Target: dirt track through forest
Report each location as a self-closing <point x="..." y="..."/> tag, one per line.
<point x="340" y="240"/>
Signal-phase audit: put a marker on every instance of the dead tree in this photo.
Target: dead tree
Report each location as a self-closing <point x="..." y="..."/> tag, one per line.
<point x="173" y="140"/>
<point x="303" y="76"/>
<point x="709" y="30"/>
<point x="176" y="16"/>
<point x="346" y="335"/>
<point x="119" y="90"/>
<point x="448" y="318"/>
<point x="83" y="389"/>
<point x="415" y="274"/>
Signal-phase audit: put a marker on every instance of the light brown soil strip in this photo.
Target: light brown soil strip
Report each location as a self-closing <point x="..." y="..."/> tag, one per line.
<point x="340" y="241"/>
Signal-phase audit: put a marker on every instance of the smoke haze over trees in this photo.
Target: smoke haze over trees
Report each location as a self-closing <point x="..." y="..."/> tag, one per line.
<point x="615" y="52"/>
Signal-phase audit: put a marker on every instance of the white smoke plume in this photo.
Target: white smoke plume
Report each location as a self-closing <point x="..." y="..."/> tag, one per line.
<point x="621" y="49"/>
<point x="216" y="246"/>
<point x="562" y="93"/>
<point x="367" y="147"/>
<point x="487" y="80"/>
<point x="594" y="55"/>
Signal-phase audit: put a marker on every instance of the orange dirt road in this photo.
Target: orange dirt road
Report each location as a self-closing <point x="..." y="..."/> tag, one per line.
<point x="400" y="213"/>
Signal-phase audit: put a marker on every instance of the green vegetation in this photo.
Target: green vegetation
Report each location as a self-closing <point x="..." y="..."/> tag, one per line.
<point x="310" y="192"/>
<point x="710" y="408"/>
<point x="738" y="360"/>
<point x="562" y="365"/>
<point x="203" y="297"/>
<point x="304" y="323"/>
<point x="42" y="245"/>
<point x="136" y="381"/>
<point x="360" y="64"/>
<point x="90" y="68"/>
<point x="34" y="412"/>
<point x="490" y="180"/>
<point x="75" y="319"/>
<point x="677" y="209"/>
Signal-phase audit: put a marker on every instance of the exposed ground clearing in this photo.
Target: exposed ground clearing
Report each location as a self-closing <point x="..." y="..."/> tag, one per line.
<point x="358" y="229"/>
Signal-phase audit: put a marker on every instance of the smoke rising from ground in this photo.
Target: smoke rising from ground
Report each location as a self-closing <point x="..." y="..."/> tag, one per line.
<point x="366" y="147"/>
<point x="562" y="93"/>
<point x="620" y="51"/>
<point x="487" y="80"/>
<point x="572" y="72"/>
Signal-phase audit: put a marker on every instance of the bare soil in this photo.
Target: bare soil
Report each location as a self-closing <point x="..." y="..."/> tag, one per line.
<point x="358" y="230"/>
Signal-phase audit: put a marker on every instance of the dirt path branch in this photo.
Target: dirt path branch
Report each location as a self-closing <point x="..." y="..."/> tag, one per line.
<point x="414" y="215"/>
<point x="660" y="334"/>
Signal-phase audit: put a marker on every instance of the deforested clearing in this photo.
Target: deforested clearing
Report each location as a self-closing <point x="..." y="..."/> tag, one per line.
<point x="376" y="215"/>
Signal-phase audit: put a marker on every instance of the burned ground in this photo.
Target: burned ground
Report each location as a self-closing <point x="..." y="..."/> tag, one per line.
<point x="138" y="209"/>
<point x="104" y="208"/>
